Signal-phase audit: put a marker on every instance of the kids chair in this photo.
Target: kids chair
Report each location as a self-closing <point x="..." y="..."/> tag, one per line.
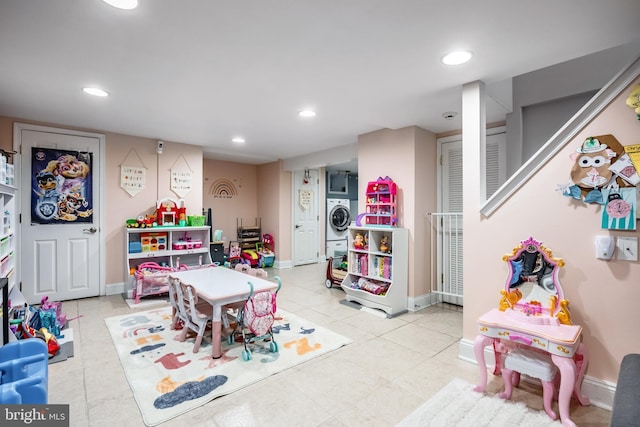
<point x="24" y="370"/>
<point x="244" y="268"/>
<point x="258" y="272"/>
<point x="533" y="364"/>
<point x="178" y="309"/>
<point x="198" y="315"/>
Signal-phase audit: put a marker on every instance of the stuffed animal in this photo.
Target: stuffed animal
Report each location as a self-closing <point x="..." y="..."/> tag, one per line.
<point x="384" y="245"/>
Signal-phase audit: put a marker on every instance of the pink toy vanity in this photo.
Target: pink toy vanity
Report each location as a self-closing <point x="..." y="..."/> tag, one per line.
<point x="533" y="316"/>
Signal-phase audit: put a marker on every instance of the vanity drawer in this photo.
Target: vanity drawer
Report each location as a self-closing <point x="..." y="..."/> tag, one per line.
<point x="515" y="337"/>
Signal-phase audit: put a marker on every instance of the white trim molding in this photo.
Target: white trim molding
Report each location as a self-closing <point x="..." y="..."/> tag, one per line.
<point x="566" y="133"/>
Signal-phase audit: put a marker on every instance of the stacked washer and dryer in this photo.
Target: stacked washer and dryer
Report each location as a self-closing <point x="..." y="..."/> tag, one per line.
<point x="338" y="221"/>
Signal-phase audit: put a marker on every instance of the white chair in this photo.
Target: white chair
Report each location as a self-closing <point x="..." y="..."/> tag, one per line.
<point x="258" y="272"/>
<point x="198" y="315"/>
<point x="243" y="268"/>
<point x="532" y="364"/>
<point x="176" y="315"/>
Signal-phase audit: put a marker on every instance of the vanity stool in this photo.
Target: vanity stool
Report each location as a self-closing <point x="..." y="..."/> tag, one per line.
<point x="533" y="364"/>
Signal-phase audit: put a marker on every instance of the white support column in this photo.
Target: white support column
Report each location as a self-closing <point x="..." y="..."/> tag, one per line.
<point x="474" y="125"/>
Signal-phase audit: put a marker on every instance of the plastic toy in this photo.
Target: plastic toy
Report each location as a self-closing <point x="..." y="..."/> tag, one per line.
<point x="171" y="212"/>
<point x="250" y="257"/>
<point x="358" y="241"/>
<point x="336" y="272"/>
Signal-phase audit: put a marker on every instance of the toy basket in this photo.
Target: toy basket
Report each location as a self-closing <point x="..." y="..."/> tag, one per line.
<point x="196" y="220"/>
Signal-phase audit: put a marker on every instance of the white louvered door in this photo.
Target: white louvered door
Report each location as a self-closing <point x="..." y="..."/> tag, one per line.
<point x="447" y="224"/>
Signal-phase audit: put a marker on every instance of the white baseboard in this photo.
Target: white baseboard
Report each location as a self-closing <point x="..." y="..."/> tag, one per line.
<point x="599" y="392"/>
<point x="420" y="302"/>
<point x="115" y="288"/>
<point x="283" y="264"/>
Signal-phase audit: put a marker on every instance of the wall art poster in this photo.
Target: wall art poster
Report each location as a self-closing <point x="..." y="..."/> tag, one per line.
<point x="619" y="210"/>
<point x="62" y="186"/>
<point x="133" y="179"/>
<point x="181" y="182"/>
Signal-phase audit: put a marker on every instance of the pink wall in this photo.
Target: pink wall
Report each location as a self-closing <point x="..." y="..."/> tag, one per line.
<point x="120" y="206"/>
<point x="231" y="191"/>
<point x="274" y="206"/>
<point x="407" y="156"/>
<point x="603" y="295"/>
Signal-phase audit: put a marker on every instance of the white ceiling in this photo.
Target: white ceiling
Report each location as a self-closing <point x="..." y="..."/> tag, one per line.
<point x="203" y="71"/>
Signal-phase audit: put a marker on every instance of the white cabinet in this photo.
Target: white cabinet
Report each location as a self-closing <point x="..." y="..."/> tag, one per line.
<point x="170" y="246"/>
<point x="378" y="273"/>
<point x="8" y="251"/>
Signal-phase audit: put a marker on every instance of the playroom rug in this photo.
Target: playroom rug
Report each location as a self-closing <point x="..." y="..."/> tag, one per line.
<point x="457" y="405"/>
<point x="168" y="379"/>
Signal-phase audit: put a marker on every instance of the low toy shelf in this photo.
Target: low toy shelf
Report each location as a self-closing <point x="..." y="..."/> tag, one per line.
<point x="377" y="274"/>
<point x="169" y="246"/>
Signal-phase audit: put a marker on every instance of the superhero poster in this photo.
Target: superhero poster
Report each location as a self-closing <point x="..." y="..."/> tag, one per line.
<point x="62" y="187"/>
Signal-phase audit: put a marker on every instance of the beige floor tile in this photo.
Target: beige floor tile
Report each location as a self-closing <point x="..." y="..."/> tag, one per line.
<point x="391" y="367"/>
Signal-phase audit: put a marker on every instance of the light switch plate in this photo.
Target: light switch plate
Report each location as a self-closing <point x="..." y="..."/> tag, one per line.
<point x="627" y="248"/>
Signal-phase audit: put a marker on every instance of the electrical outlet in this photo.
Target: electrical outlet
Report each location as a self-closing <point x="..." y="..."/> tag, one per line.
<point x="627" y="248"/>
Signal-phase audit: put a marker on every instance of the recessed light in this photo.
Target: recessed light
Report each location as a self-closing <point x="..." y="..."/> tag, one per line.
<point x="95" y="91"/>
<point x="307" y="113"/>
<point x="457" y="58"/>
<point x="238" y="140"/>
<point x="122" y="4"/>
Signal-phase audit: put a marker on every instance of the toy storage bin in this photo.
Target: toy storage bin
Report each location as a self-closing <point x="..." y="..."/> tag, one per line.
<point x="24" y="370"/>
<point x="152" y="242"/>
<point x="195" y="221"/>
<point x="267" y="260"/>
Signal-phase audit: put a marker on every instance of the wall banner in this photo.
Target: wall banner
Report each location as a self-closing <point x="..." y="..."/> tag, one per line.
<point x="181" y="182"/>
<point x="62" y="186"/>
<point x="133" y="179"/>
<point x="305" y="199"/>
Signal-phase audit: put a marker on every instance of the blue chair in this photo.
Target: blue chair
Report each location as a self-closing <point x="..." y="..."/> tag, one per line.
<point x="24" y="370"/>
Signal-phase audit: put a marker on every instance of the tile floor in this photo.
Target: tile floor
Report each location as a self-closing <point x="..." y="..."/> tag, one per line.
<point x="391" y="368"/>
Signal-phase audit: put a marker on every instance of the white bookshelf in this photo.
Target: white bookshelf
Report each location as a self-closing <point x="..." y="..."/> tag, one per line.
<point x="371" y="270"/>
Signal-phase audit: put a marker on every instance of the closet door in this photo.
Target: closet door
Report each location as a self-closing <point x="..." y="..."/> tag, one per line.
<point x="449" y="228"/>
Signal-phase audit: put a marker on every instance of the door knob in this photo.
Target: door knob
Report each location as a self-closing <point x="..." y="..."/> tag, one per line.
<point x="298" y="226"/>
<point x="91" y="230"/>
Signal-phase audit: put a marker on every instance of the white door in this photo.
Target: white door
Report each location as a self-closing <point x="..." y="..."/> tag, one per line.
<point x="449" y="224"/>
<point x="60" y="209"/>
<point x="306" y="217"/>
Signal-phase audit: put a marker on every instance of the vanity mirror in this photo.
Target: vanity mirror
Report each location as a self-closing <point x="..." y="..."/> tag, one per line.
<point x="532" y="287"/>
